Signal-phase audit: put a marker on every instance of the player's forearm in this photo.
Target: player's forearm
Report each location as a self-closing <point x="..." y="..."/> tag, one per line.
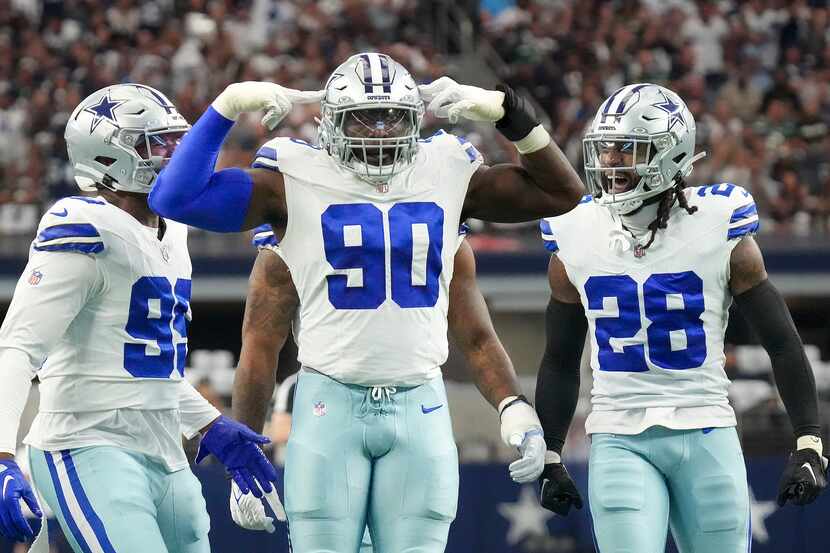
<point x="253" y="388"/>
<point x="766" y="310"/>
<point x="491" y="369"/>
<point x="551" y="172"/>
<point x="546" y="166"/>
<point x="188" y="190"/>
<point x="16" y="375"/>
<point x="557" y="385"/>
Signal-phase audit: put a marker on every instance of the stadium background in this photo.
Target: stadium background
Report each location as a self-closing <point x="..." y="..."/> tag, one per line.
<point x="756" y="75"/>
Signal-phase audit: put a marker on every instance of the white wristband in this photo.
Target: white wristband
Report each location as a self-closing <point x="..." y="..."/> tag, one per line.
<point x="552" y="458"/>
<point x="537" y="139"/>
<point x="505" y="401"/>
<point x="810" y="442"/>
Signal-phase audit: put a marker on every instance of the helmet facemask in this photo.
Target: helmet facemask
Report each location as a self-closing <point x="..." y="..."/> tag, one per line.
<point x="623" y="170"/>
<point x="374" y="142"/>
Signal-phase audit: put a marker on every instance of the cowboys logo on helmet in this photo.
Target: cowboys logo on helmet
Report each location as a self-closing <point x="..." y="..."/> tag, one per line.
<point x="121" y="136"/>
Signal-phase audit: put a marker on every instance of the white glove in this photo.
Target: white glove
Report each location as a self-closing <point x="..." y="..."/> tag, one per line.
<point x="249" y="512"/>
<point x="520" y="428"/>
<point x="450" y="100"/>
<point x="529" y="468"/>
<point x="274" y="99"/>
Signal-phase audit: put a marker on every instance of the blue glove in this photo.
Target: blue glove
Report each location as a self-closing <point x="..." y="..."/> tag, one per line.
<point x="237" y="447"/>
<point x="14" y="487"/>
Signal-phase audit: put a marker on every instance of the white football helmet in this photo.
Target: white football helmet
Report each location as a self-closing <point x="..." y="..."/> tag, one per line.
<point x="121" y="136"/>
<point x="639" y="144"/>
<point x="371" y="117"/>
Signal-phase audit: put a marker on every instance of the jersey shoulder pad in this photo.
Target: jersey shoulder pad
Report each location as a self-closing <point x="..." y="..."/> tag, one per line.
<point x="552" y="228"/>
<point x="287" y="155"/>
<point x="450" y="145"/>
<point x="72" y="224"/>
<point x="727" y="205"/>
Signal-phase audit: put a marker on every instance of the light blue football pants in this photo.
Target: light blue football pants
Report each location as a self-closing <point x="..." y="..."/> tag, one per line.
<point x="693" y="480"/>
<point x="359" y="456"/>
<point x="110" y="500"/>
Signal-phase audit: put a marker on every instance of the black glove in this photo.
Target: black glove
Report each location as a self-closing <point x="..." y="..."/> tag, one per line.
<point x="519" y="116"/>
<point x="805" y="476"/>
<point x="559" y="492"/>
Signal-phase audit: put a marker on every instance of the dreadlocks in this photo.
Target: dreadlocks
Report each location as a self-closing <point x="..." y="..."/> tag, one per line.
<point x="666" y="203"/>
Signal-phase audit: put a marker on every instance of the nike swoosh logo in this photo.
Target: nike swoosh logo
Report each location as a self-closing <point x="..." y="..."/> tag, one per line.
<point x="9" y="478"/>
<point x="808" y="467"/>
<point x="64" y="214"/>
<point x="426" y="410"/>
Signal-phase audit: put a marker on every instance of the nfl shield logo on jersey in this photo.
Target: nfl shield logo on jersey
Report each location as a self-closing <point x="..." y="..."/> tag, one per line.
<point x="319" y="408"/>
<point x="35" y="277"/>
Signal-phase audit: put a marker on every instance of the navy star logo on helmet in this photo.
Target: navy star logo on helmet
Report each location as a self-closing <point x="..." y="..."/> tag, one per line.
<point x="105" y="108"/>
<point x="673" y="109"/>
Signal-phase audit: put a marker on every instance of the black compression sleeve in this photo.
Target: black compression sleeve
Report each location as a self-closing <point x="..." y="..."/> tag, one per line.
<point x="557" y="386"/>
<point x="767" y="312"/>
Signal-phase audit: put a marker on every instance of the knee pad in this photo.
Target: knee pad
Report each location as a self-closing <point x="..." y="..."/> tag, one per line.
<point x="618" y="485"/>
<point x="431" y="488"/>
<point x="315" y="487"/>
<point x="718" y="504"/>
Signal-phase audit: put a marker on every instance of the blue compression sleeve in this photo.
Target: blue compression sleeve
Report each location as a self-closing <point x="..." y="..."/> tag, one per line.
<point x="189" y="191"/>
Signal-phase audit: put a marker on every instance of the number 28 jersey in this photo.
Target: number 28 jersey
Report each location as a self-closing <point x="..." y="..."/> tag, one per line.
<point x="371" y="267"/>
<point x="656" y="321"/>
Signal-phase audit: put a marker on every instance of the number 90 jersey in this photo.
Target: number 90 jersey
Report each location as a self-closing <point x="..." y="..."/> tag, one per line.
<point x="372" y="267"/>
<point x="656" y="321"/>
<point x="105" y="303"/>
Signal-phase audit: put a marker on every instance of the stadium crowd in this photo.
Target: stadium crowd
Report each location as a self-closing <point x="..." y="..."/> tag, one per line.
<point x="756" y="74"/>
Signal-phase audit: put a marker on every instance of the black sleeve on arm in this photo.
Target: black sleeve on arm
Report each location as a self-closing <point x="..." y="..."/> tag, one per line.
<point x="557" y="386"/>
<point x="767" y="313"/>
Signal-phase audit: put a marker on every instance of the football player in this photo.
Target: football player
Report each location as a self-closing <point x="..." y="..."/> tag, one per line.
<point x="648" y="267"/>
<point x="271" y="308"/>
<point x="100" y="317"/>
<point x="372" y="216"/>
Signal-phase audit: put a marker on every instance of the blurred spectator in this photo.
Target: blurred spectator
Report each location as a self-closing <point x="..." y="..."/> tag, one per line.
<point x="756" y="74"/>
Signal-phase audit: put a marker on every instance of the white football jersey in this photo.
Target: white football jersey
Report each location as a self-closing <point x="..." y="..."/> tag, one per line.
<point x="372" y="268"/>
<point x="656" y="321"/>
<point x="102" y="308"/>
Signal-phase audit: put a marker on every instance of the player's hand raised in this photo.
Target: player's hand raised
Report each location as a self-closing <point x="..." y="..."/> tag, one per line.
<point x="558" y="492"/>
<point x="237" y="447"/>
<point x="275" y="100"/>
<point x="448" y="99"/>
<point x="14" y="489"/>
<point x="805" y="475"/>
<point x="248" y="511"/>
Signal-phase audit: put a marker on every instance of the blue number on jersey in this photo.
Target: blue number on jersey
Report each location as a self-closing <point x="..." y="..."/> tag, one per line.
<point x="365" y="223"/>
<point x="172" y="306"/>
<point x="367" y="252"/>
<point x="722" y="189"/>
<point x="402" y="217"/>
<point x="626" y="325"/>
<point x="681" y="316"/>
